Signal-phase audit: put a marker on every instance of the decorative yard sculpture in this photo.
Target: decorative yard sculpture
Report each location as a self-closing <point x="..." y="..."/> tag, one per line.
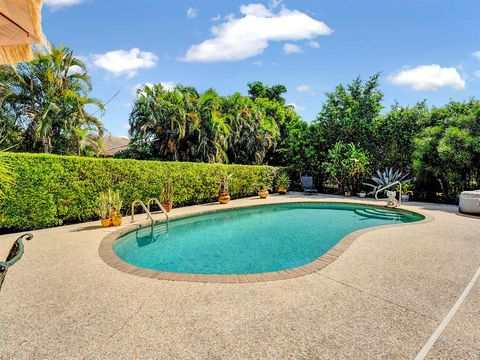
<point x="15" y="254"/>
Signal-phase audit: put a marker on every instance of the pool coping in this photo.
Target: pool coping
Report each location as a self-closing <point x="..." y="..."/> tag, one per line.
<point x="107" y="254"/>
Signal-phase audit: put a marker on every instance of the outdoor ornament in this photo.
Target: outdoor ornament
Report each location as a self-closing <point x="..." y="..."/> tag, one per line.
<point x="391" y="199"/>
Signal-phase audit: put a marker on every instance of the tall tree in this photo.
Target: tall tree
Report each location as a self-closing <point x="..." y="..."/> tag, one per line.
<point x="48" y="98"/>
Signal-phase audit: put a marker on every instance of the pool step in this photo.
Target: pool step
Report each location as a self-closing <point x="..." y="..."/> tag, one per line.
<point x="377" y="214"/>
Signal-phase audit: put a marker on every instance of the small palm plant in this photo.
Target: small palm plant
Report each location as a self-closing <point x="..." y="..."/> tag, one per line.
<point x="283" y="182"/>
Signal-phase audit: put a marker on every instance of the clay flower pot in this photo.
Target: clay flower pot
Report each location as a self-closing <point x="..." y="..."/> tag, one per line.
<point x="167" y="205"/>
<point x="117" y="221"/>
<point x="263" y="194"/>
<point x="106" y="222"/>
<point x="282" y="190"/>
<point x="223" y="198"/>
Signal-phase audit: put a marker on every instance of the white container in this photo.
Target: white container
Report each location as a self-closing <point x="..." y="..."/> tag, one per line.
<point x="470" y="202"/>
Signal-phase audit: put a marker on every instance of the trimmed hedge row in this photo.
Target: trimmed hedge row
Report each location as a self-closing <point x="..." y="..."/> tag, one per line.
<point x="51" y="190"/>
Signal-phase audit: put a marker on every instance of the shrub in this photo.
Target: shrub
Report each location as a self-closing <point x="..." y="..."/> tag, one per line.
<point x="52" y="190"/>
<point x="346" y="165"/>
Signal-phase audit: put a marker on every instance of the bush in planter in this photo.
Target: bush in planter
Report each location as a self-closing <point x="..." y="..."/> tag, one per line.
<point x="283" y="183"/>
<point x="52" y="190"/>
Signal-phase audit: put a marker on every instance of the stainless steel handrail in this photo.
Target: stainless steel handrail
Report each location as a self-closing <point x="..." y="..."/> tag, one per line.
<point x="155" y="200"/>
<point x="389" y="186"/>
<point x="140" y="202"/>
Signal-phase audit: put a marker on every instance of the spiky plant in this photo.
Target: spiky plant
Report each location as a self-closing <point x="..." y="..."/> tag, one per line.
<point x="386" y="177"/>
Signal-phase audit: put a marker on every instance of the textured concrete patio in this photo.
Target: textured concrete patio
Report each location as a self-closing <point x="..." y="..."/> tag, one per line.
<point x="381" y="299"/>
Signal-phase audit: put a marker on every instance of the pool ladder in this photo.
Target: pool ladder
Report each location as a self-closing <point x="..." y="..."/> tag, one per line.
<point x="147" y="209"/>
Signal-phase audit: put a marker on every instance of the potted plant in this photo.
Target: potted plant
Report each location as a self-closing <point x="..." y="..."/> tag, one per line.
<point x="405" y="190"/>
<point x="262" y="190"/>
<point x="348" y="190"/>
<point x="362" y="194"/>
<point x="166" y="196"/>
<point x="104" y="209"/>
<point x="116" y="204"/>
<point x="283" y="182"/>
<point x="223" y="194"/>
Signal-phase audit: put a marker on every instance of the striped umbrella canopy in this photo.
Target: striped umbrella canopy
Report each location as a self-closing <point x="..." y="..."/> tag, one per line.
<point x="20" y="28"/>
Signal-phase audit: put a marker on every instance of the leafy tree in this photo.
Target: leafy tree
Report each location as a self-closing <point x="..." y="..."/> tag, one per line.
<point x="447" y="151"/>
<point x="257" y="89"/>
<point x="47" y="98"/>
<point x="349" y="113"/>
<point x="395" y="134"/>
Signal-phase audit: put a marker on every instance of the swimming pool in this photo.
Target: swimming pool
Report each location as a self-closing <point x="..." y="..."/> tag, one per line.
<point x="250" y="240"/>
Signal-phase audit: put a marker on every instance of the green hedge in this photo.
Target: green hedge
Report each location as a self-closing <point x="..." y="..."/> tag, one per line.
<point x="51" y="190"/>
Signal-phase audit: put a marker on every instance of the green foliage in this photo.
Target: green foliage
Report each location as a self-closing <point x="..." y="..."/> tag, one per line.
<point x="349" y="113"/>
<point x="395" y="134"/>
<point x="45" y="102"/>
<point x="52" y="190"/>
<point x="182" y="124"/>
<point x="166" y="192"/>
<point x="104" y="205"/>
<point x="447" y="150"/>
<point x="346" y="165"/>
<point x="283" y="181"/>
<point x="386" y="177"/>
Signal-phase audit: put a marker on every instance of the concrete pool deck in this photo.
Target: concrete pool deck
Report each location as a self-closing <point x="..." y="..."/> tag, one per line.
<point x="382" y="298"/>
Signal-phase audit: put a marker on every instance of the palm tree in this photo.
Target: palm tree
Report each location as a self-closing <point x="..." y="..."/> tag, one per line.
<point x="160" y="115"/>
<point x="49" y="96"/>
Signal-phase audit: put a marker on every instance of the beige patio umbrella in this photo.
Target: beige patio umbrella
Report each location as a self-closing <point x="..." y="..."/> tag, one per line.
<point x="20" y="28"/>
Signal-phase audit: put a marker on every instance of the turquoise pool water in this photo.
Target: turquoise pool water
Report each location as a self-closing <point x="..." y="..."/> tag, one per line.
<point x="251" y="240"/>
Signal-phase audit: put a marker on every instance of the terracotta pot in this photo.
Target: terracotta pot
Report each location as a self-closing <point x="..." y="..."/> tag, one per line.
<point x="282" y="190"/>
<point x="223" y="198"/>
<point x="167" y="205"/>
<point x="117" y="221"/>
<point x="106" y="222"/>
<point x="263" y="194"/>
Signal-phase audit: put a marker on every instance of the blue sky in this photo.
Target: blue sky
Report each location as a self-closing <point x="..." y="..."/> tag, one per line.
<point x="425" y="49"/>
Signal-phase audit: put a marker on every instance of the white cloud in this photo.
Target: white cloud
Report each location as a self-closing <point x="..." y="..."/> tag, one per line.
<point x="428" y="78"/>
<point x="167" y="85"/>
<point x="250" y="35"/>
<point x="476" y="55"/>
<point x="313" y="44"/>
<point x="125" y="62"/>
<point x="216" y="18"/>
<point x="125" y="126"/>
<point x="297" y="107"/>
<point x="477" y="74"/>
<point x="75" y="69"/>
<point x="255" y="10"/>
<point x="57" y="4"/>
<point x="291" y="49"/>
<point x="306" y="89"/>
<point x="192" y="13"/>
<point x="258" y="63"/>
